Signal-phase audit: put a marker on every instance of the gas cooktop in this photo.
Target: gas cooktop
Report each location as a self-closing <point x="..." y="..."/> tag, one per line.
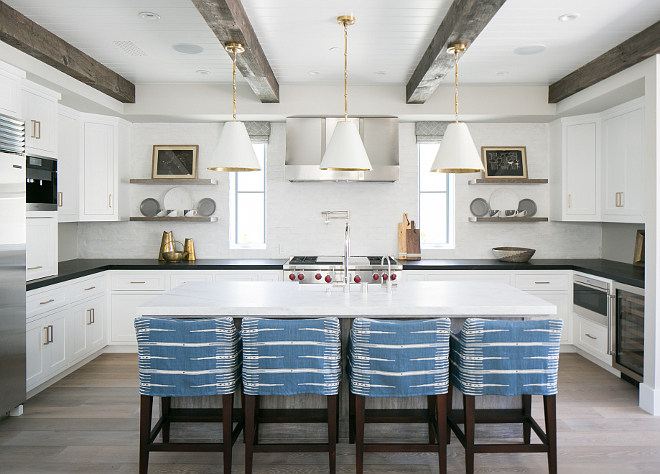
<point x="318" y="261"/>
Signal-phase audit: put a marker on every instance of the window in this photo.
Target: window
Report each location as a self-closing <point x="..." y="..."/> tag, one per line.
<point x="436" y="202"/>
<point x="247" y="205"/>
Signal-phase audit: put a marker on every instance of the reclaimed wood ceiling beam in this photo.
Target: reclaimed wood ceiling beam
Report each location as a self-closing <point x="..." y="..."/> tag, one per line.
<point x="463" y="22"/>
<point x="632" y="51"/>
<point x="19" y="31"/>
<point x="230" y="24"/>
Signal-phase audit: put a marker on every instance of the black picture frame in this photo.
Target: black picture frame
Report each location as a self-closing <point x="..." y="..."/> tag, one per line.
<point x="504" y="162"/>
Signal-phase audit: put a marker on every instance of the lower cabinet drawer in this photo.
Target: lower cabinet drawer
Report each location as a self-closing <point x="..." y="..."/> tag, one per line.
<point x="44" y="301"/>
<point x="139" y="281"/>
<point x="591" y="337"/>
<point x="88" y="288"/>
<point x="542" y="281"/>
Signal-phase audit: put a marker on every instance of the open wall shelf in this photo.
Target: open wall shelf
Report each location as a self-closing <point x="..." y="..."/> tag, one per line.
<point x="175" y="219"/>
<point x="177" y="182"/>
<point x="508" y="181"/>
<point x="508" y="219"/>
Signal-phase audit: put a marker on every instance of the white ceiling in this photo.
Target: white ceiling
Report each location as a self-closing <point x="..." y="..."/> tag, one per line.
<point x="389" y="36"/>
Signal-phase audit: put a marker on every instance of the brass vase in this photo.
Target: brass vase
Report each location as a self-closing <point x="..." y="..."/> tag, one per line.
<point x="189" y="246"/>
<point x="166" y="244"/>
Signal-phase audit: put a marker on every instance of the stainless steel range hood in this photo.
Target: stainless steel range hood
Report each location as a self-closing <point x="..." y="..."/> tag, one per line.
<point x="307" y="138"/>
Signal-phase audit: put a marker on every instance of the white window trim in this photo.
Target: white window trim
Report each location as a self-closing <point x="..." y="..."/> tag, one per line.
<point x="451" y="213"/>
<point x="232" y="205"/>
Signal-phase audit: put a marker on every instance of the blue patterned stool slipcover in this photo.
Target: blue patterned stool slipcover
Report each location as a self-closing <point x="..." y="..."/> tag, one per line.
<point x="497" y="357"/>
<point x="188" y="358"/>
<point x="388" y="358"/>
<point x="290" y="357"/>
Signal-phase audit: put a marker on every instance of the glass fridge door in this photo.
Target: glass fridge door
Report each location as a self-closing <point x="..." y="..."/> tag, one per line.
<point x="630" y="331"/>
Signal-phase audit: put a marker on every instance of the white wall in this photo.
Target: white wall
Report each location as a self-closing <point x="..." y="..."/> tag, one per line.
<point x="294" y="209"/>
<point x="619" y="241"/>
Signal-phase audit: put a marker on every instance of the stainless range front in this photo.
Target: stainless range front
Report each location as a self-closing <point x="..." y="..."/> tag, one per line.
<point x="324" y="270"/>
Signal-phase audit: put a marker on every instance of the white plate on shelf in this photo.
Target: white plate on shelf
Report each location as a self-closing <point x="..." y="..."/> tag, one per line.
<point x="178" y="199"/>
<point x="503" y="200"/>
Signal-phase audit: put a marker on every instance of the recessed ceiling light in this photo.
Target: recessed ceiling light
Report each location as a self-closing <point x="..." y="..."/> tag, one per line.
<point x="203" y="72"/>
<point x="502" y="73"/>
<point x="186" y="48"/>
<point x="530" y="49"/>
<point x="380" y="73"/>
<point x="149" y="16"/>
<point x="313" y="73"/>
<point x="569" y="17"/>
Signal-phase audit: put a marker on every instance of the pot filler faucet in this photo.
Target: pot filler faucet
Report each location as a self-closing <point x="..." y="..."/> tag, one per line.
<point x="347" y="254"/>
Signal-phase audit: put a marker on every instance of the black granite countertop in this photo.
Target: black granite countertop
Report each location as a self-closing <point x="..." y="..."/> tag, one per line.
<point x="622" y="272"/>
<point x="71" y="269"/>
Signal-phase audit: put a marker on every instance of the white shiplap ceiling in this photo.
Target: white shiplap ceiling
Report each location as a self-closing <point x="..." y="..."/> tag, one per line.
<point x="389" y="36"/>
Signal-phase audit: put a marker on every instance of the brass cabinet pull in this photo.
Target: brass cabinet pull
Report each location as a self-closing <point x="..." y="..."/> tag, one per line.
<point x="37" y="122"/>
<point x="46" y="302"/>
<point x="569" y="200"/>
<point x="93" y="315"/>
<point x="34" y="128"/>
<point x="138" y="282"/>
<point x="590" y="336"/>
<point x="90" y="288"/>
<point x="89" y="313"/>
<point x="621" y="200"/>
<point x="47" y="341"/>
<point x="542" y="282"/>
<point x="60" y="200"/>
<point x="35" y="268"/>
<point x="50" y="339"/>
<point x="110" y="200"/>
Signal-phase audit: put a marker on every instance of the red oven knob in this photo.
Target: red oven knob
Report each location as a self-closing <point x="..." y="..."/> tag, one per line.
<point x="318" y="276"/>
<point x="385" y="276"/>
<point x="301" y="277"/>
<point x="292" y="277"/>
<point x="376" y="277"/>
<point x="328" y="279"/>
<point x="393" y="276"/>
<point x="357" y="279"/>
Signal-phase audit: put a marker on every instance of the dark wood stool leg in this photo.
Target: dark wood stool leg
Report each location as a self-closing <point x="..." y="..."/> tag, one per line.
<point x="359" y="434"/>
<point x="227" y="425"/>
<point x="257" y="402"/>
<point x="332" y="432"/>
<point x="441" y="407"/>
<point x="249" y="431"/>
<point x="527" y="411"/>
<point x="450" y="394"/>
<point x="468" y="407"/>
<point x="550" y="410"/>
<point x="165" y="403"/>
<point x="351" y="417"/>
<point x="146" y="404"/>
<point x="431" y="402"/>
<point x="337" y="419"/>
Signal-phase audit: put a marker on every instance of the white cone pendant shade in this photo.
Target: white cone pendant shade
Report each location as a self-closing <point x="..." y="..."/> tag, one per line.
<point x="346" y="151"/>
<point x="457" y="153"/>
<point x="234" y="151"/>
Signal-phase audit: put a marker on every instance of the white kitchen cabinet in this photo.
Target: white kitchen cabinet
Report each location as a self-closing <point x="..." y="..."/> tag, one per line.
<point x="454" y="275"/>
<point x="248" y="275"/>
<point x="179" y="278"/>
<point x="623" y="164"/>
<point x="574" y="169"/>
<point x="123" y="308"/>
<point x="46" y="348"/>
<point x="86" y="327"/>
<point x="106" y="163"/>
<point x="41" y="245"/>
<point x="562" y="301"/>
<point x="69" y="163"/>
<point x="10" y="90"/>
<point x="39" y="107"/>
<point x="591" y="337"/>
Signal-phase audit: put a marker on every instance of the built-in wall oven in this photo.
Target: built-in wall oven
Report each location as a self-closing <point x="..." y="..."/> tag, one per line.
<point x="628" y="332"/>
<point x="41" y="184"/>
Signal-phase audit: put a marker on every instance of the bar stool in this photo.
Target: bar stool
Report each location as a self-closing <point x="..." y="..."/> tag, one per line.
<point x="495" y="357"/>
<point x="187" y="358"/>
<point x="399" y="359"/>
<point x="290" y="357"/>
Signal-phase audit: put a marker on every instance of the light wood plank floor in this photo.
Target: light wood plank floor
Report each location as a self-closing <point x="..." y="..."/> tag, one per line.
<point x="88" y="423"/>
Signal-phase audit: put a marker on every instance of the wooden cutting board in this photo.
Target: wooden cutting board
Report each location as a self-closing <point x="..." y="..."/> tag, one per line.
<point x="413" y="250"/>
<point x="403" y="228"/>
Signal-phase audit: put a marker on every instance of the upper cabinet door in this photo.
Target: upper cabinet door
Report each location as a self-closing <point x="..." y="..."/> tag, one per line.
<point x="10" y="94"/>
<point x="99" y="165"/>
<point x="581" y="178"/>
<point x="40" y="124"/>
<point x="623" y="166"/>
<point x="68" y="166"/>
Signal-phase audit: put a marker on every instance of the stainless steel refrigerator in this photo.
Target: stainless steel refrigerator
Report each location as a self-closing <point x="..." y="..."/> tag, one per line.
<point x="12" y="264"/>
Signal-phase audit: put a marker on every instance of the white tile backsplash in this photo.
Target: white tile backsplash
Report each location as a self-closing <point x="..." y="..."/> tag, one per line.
<point x="294" y="209"/>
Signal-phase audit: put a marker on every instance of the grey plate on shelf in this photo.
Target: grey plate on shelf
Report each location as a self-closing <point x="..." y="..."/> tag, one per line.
<point x="479" y="207"/>
<point x="527" y="205"/>
<point x="149" y="207"/>
<point x="206" y="207"/>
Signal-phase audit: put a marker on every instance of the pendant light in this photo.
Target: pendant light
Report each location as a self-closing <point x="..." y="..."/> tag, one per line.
<point x="234" y="150"/>
<point x="457" y="153"/>
<point x="346" y="152"/>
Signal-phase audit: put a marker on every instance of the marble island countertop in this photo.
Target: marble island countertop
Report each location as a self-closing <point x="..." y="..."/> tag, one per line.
<point x="408" y="299"/>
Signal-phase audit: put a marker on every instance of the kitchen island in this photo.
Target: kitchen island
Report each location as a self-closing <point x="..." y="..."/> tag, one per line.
<point x="457" y="300"/>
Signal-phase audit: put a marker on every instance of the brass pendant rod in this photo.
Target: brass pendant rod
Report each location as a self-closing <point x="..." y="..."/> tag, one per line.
<point x="456" y="82"/>
<point x="345" y="72"/>
<point x="234" y="80"/>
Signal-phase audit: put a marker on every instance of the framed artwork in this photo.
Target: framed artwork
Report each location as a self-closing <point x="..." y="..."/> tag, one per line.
<point x="508" y="162"/>
<point x="174" y="161"/>
<point x="638" y="258"/>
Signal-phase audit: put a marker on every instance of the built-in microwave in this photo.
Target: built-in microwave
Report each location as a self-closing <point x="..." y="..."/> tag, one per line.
<point x="41" y="184"/>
